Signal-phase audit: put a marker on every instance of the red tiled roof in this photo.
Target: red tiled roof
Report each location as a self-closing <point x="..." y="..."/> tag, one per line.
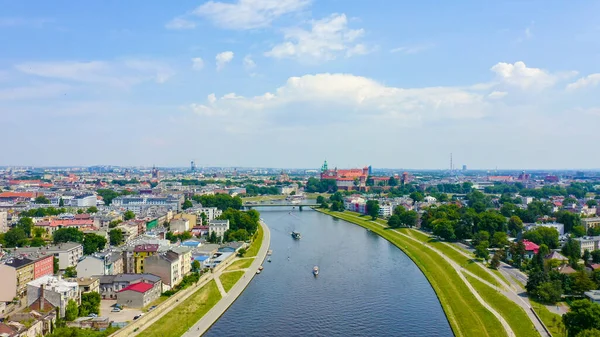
<point x="140" y="287"/>
<point x="17" y="182"/>
<point x="530" y="246"/>
<point x="66" y="223"/>
<point x="16" y="195"/>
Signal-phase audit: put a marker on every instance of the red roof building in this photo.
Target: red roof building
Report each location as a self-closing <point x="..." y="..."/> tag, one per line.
<point x="140" y="287"/>
<point x="17" y="196"/>
<point x="530" y="246"/>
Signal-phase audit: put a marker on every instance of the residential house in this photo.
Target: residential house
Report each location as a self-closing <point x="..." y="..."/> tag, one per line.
<point x="87" y="284"/>
<point x="3" y="222"/>
<point x="530" y="248"/>
<point x="137" y="295"/>
<point x="593" y="295"/>
<point x="68" y="253"/>
<point x="111" y="284"/>
<point x="588" y="243"/>
<point x="180" y="226"/>
<point x="52" y="225"/>
<point x="192" y="218"/>
<point x="185" y="259"/>
<point x="140" y="253"/>
<point x="590" y="222"/>
<point x="166" y="266"/>
<point x="219" y="227"/>
<point x="108" y="263"/>
<point x="210" y="212"/>
<point x="51" y="290"/>
<point x="14" y="276"/>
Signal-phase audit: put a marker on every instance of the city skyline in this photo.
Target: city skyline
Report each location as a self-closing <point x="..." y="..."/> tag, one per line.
<point x="288" y="83"/>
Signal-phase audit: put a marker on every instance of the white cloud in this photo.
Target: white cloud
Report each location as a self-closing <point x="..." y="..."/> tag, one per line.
<point x="180" y="24"/>
<point x="523" y="77"/>
<point x="590" y="80"/>
<point x="248" y="14"/>
<point x="197" y="63"/>
<point x="249" y="63"/>
<point x="497" y="94"/>
<point x="412" y="49"/>
<point x="349" y="97"/>
<point x="326" y="39"/>
<point x="122" y="74"/>
<point x="223" y="58"/>
<point x="527" y="33"/>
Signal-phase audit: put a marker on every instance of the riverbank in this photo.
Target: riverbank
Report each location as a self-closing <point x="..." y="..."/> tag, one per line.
<point x="466" y="315"/>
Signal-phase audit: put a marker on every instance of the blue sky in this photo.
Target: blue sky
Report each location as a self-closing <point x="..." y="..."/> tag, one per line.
<point x="289" y="83"/>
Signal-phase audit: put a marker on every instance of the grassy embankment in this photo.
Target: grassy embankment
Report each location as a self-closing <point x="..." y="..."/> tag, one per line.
<point x="264" y="198"/>
<point x="466" y="315"/>
<point x="185" y="315"/>
<point x="256" y="243"/>
<point x="228" y="280"/>
<point x="552" y="321"/>
<point x="240" y="264"/>
<point x="512" y="313"/>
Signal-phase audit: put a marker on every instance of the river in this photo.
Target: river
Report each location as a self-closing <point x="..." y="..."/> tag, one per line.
<point x="366" y="285"/>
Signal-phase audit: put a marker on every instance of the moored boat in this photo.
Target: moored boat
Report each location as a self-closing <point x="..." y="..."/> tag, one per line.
<point x="296" y="235"/>
<point x="315" y="270"/>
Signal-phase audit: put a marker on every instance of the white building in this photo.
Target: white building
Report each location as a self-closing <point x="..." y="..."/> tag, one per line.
<point x="138" y="204"/>
<point x="3" y="222"/>
<point x="219" y="227"/>
<point x="68" y="253"/>
<point x="211" y="212"/>
<point x="386" y="210"/>
<point x="558" y="226"/>
<point x="180" y="225"/>
<point x="53" y="290"/>
<point x="589" y="243"/>
<point x="84" y="201"/>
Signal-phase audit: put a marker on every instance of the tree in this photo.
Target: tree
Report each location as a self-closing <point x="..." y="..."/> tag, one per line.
<point x="481" y="250"/>
<point x="409" y="218"/>
<point x="586" y="256"/>
<point x="445" y="230"/>
<point x="37" y="242"/>
<point x="417" y="197"/>
<point x="71" y="311"/>
<point x="491" y="221"/>
<point x="582" y="282"/>
<point x="596" y="256"/>
<point x="589" y="333"/>
<point x="578" y="231"/>
<point x="55" y="264"/>
<point x="195" y="266"/>
<point x="70" y="272"/>
<point x="495" y="261"/>
<point x="569" y="201"/>
<point x="572" y="250"/>
<point x="591" y="203"/>
<point x="241" y="252"/>
<point x="499" y="240"/>
<point x="320" y="199"/>
<point x="479" y="237"/>
<point x="187" y="204"/>
<point x="26" y="224"/>
<point x="128" y="215"/>
<point x="38" y="232"/>
<point x="393" y="181"/>
<point x="517" y="251"/>
<point x="212" y="237"/>
<point x="337" y="206"/>
<point x="569" y="219"/>
<point x="107" y="195"/>
<point x="92" y="209"/>
<point x="116" y="237"/>
<point x="373" y="208"/>
<point x="93" y="243"/>
<point x="583" y="315"/>
<point x="549" y="292"/>
<point x="42" y="200"/>
<point x="70" y="234"/>
<point x="546" y="235"/>
<point x="61" y="202"/>
<point x="204" y="218"/>
<point x="394" y="221"/>
<point x="15" y="237"/>
<point x="515" y="225"/>
<point x="90" y="304"/>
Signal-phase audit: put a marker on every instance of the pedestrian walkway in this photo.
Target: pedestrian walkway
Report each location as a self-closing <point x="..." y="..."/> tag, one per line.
<point x="220" y="285"/>
<point x="211" y="317"/>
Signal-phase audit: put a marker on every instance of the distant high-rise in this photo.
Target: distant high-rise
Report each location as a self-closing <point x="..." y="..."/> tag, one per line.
<point x="370" y="170"/>
<point x="464" y="167"/>
<point x="155" y="173"/>
<point x="193" y="166"/>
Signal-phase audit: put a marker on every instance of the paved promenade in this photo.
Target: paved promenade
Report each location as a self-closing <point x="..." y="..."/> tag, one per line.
<point x="213" y="315"/>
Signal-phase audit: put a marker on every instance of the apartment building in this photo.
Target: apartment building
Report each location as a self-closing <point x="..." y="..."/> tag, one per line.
<point x="68" y="253"/>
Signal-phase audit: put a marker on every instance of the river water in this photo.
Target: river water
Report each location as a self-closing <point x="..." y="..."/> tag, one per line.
<point x="366" y="286"/>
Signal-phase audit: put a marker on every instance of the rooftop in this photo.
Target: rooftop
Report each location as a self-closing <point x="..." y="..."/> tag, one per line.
<point x="54" y="283"/>
<point x="140" y="287"/>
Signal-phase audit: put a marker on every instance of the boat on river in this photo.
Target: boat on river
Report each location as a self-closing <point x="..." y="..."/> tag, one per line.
<point x="315" y="270"/>
<point x="270" y="252"/>
<point x="296" y="235"/>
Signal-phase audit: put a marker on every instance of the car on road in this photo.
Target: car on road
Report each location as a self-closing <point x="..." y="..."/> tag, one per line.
<point x="115" y="309"/>
<point x="92" y="315"/>
<point x="152" y="308"/>
<point x="137" y="316"/>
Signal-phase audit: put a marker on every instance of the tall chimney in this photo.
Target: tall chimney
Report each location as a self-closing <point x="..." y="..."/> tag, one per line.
<point x="42" y="297"/>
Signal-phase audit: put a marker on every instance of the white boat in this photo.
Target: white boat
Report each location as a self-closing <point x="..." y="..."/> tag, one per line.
<point x="258" y="271"/>
<point x="316" y="270"/>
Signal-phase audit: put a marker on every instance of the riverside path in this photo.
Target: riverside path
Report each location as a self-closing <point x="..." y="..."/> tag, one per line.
<point x="213" y="315"/>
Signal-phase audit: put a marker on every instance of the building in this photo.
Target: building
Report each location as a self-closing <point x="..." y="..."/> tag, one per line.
<point x="14" y="276"/>
<point x="68" y="253"/>
<point x="137" y="204"/>
<point x="185" y="259"/>
<point x="588" y="243"/>
<point x="593" y="295"/>
<point x="137" y="295"/>
<point x="84" y="201"/>
<point x="560" y="228"/>
<point x="219" y="227"/>
<point x="140" y="253"/>
<point x="166" y="266"/>
<point x="43" y="265"/>
<point x="349" y="179"/>
<point x="17" y="196"/>
<point x="191" y="217"/>
<point x="590" y="222"/>
<point x="52" y="225"/>
<point x="386" y="210"/>
<point x="3" y="222"/>
<point x="530" y="248"/>
<point x="110" y="285"/>
<point x="356" y="203"/>
<point x="87" y="284"/>
<point x="179" y="226"/>
<point x="100" y="264"/>
<point x="210" y="212"/>
<point x="51" y="290"/>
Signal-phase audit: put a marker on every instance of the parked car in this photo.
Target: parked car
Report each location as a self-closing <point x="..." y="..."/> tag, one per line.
<point x="152" y="308"/>
<point x="93" y="315"/>
<point x="137" y="316"/>
<point x="115" y="309"/>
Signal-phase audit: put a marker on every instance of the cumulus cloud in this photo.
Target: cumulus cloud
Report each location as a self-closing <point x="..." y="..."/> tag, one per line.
<point x="180" y="24"/>
<point x="124" y="73"/>
<point x="497" y="94"/>
<point x="249" y="62"/>
<point x="326" y="39"/>
<point x="197" y="63"/>
<point x="587" y="81"/>
<point x="248" y="14"/>
<point x="523" y="77"/>
<point x="223" y="58"/>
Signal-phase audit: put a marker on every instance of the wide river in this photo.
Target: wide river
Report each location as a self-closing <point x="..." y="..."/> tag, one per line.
<point x="366" y="285"/>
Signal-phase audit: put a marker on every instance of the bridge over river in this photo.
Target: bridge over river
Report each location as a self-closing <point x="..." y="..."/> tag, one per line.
<point x="305" y="203"/>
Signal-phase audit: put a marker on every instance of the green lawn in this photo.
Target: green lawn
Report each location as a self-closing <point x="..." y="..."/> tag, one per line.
<point x="240" y="264"/>
<point x="466" y="315"/>
<point x="512" y="313"/>
<point x="155" y="302"/>
<point x="264" y="198"/>
<point x="499" y="274"/>
<point x="256" y="243"/>
<point x="228" y="280"/>
<point x="186" y="314"/>
<point x="552" y="321"/>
